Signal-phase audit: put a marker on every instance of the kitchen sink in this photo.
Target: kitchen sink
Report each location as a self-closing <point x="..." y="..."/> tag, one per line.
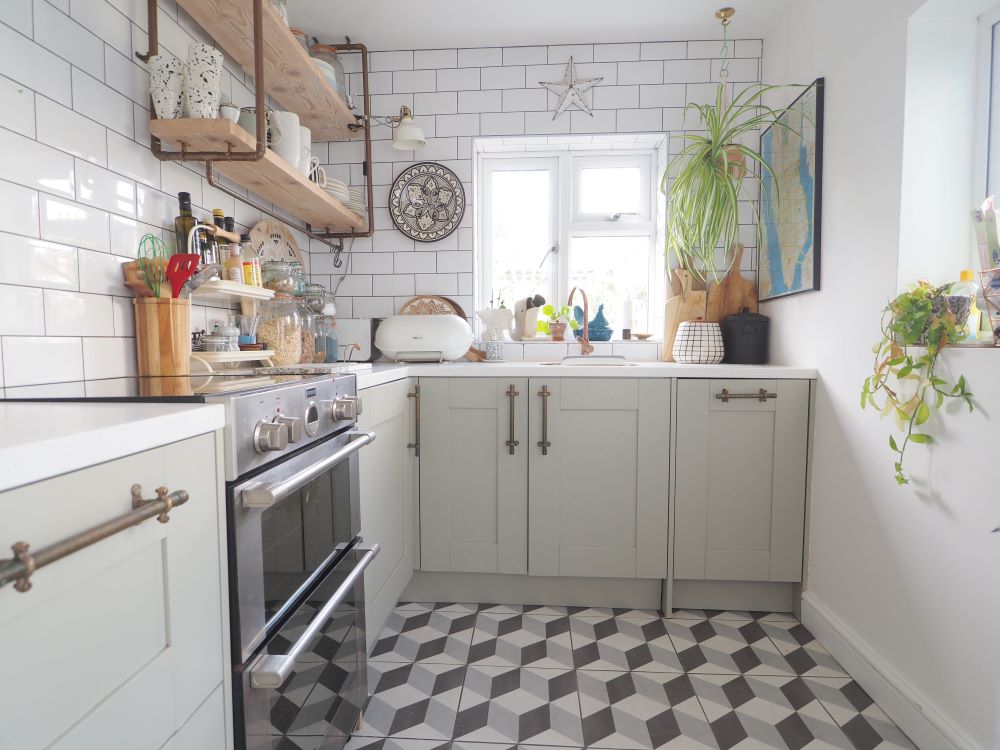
<point x="599" y="360"/>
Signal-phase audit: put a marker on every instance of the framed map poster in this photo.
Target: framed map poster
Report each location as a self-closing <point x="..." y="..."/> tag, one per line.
<point x="788" y="256"/>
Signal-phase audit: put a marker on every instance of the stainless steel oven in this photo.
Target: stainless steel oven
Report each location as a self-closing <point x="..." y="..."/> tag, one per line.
<point x="297" y="592"/>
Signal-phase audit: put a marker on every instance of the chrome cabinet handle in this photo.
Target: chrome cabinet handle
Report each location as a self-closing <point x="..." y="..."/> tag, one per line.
<point x="271" y="670"/>
<point x="512" y="394"/>
<point x="264" y="496"/>
<point x="416" y="421"/>
<point x="762" y="395"/>
<point x="544" y="443"/>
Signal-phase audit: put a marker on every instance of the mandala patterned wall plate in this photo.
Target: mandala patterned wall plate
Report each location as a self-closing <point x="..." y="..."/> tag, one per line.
<point x="427" y="202"/>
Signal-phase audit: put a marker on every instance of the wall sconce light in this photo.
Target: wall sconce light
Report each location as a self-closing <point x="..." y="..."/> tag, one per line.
<point x="407" y="135"/>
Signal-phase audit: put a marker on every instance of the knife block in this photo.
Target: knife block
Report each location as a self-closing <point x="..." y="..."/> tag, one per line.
<point x="162" y="336"/>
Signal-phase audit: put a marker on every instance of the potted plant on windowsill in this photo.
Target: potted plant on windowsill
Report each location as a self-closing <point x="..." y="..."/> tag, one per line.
<point x="906" y="384"/>
<point x="556" y="322"/>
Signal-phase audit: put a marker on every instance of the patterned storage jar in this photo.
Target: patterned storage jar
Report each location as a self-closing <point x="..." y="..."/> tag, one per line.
<point x="698" y="342"/>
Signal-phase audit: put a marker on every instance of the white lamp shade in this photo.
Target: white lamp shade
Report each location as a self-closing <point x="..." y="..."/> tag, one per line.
<point x="408" y="135"/>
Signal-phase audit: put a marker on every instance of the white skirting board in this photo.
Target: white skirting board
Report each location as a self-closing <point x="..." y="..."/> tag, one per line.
<point x="753" y="596"/>
<point x="633" y="593"/>
<point x="921" y="721"/>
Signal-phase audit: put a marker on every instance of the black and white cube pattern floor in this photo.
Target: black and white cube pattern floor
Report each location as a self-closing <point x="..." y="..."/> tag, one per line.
<point x="492" y="677"/>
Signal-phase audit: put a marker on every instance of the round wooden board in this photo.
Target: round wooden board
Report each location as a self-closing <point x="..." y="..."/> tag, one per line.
<point x="272" y="240"/>
<point x="432" y="304"/>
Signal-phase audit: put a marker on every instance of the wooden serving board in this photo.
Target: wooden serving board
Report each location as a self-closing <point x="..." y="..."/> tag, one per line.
<point x="688" y="304"/>
<point x="733" y="293"/>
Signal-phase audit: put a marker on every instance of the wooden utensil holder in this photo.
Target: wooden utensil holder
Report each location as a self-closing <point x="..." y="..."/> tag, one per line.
<point x="162" y="336"/>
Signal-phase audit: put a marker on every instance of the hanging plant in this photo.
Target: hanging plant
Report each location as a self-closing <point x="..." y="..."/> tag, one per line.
<point x="907" y="385"/>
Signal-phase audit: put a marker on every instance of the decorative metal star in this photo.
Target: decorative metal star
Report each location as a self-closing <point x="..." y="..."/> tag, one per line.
<point x="570" y="90"/>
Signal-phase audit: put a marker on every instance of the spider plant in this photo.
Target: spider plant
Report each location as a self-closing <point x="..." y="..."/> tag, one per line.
<point x="712" y="173"/>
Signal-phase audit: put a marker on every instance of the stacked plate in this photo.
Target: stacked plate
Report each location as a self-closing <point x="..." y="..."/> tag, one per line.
<point x="356" y="199"/>
<point x="338" y="190"/>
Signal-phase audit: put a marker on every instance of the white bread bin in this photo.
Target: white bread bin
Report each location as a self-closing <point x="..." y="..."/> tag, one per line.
<point x="424" y="338"/>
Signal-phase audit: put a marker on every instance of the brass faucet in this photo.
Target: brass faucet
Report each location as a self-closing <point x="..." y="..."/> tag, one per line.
<point x="585" y="346"/>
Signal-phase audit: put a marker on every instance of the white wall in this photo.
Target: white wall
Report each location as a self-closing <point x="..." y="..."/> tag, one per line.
<point x="79" y="186"/>
<point x="459" y="95"/>
<point x="912" y="571"/>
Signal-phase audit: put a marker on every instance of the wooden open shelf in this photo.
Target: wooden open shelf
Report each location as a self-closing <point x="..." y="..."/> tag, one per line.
<point x="289" y="73"/>
<point x="272" y="178"/>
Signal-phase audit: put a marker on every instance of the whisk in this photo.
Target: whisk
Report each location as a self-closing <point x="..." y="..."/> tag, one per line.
<point x="153" y="257"/>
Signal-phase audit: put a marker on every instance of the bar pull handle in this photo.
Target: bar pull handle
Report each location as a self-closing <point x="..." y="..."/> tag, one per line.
<point x="416" y="421"/>
<point x="512" y="394"/>
<point x="20" y="568"/>
<point x="544" y="443"/>
<point x="271" y="670"/>
<point x="762" y="395"/>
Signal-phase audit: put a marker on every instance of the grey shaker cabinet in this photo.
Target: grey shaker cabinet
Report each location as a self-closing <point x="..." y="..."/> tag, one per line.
<point x="740" y="480"/>
<point x="597" y="492"/>
<point x="473" y="483"/>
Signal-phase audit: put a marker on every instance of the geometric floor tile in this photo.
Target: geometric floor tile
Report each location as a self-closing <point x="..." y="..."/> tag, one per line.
<point x="458" y="676"/>
<point x="864" y="723"/>
<point x="431" y="636"/>
<point x="802" y="651"/>
<point x="725" y="647"/>
<point x="642" y="711"/>
<point x="509" y="704"/>
<point x="621" y="644"/>
<point x="778" y="712"/>
<point x="414" y="701"/>
<point x="518" y="640"/>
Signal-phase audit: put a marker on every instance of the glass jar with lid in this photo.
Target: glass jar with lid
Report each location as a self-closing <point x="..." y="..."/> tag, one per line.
<point x="279" y="276"/>
<point x="314" y="297"/>
<point x="280" y="329"/>
<point x="298" y="276"/>
<point x="328" y="54"/>
<point x="326" y="329"/>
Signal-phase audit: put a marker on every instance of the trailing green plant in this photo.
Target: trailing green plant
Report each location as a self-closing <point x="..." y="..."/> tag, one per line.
<point x="711" y="175"/>
<point x="552" y="314"/>
<point x="907" y="383"/>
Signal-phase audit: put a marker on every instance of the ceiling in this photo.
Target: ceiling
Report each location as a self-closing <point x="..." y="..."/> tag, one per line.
<point x="434" y="24"/>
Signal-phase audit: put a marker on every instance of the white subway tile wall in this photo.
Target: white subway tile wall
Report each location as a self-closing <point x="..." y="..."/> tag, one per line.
<point x="79" y="186"/>
<point x="461" y="95"/>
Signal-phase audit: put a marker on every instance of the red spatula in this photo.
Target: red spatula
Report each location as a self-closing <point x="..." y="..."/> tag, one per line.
<point x="181" y="268"/>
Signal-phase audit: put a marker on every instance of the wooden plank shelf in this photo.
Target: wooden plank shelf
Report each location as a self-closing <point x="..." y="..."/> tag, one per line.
<point x="289" y="73"/>
<point x="272" y="178"/>
<point x="224" y="288"/>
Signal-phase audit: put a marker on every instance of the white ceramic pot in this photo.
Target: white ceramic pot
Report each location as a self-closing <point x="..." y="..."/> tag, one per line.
<point x="204" y="54"/>
<point x="285" y="136"/>
<point x="202" y="75"/>
<point x="202" y="102"/>
<point x="698" y="342"/>
<point x="496" y="322"/>
<point x="305" y="149"/>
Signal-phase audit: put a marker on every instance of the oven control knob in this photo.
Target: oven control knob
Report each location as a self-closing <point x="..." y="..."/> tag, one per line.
<point x="346" y="408"/>
<point x="270" y="436"/>
<point x="294" y="425"/>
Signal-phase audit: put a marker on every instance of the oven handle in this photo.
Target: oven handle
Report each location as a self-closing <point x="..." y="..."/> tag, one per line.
<point x="270" y="671"/>
<point x="267" y="495"/>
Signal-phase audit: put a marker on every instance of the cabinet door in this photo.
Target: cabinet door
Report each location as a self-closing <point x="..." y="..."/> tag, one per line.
<point x="135" y="615"/>
<point x="740" y="480"/>
<point x="386" y="490"/>
<point x="599" y="491"/>
<point x="473" y="485"/>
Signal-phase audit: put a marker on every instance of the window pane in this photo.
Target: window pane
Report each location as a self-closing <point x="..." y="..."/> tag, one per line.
<point x="521" y="224"/>
<point x="609" y="190"/>
<point x="610" y="269"/>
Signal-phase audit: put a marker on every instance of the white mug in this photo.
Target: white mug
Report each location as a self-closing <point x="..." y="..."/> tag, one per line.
<point x="285" y="140"/>
<point x="305" y="149"/>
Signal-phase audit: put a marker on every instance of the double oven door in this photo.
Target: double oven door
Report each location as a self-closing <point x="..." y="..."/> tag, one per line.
<point x="297" y="598"/>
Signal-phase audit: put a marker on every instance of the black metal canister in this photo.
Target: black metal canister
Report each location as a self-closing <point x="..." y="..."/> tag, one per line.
<point x="745" y="336"/>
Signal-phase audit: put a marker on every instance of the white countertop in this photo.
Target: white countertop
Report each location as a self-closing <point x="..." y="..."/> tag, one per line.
<point x="388" y="372"/>
<point x="41" y="440"/>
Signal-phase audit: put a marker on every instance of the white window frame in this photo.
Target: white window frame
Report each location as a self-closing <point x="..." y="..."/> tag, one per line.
<point x="567" y="222"/>
<point x="986" y="172"/>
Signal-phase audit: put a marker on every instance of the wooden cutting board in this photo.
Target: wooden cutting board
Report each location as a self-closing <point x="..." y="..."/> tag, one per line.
<point x="687" y="304"/>
<point x="732" y="294"/>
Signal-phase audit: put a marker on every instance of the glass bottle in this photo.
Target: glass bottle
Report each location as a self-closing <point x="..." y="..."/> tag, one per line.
<point x="250" y="262"/>
<point x="234" y="264"/>
<point x="184" y="222"/>
<point x="280" y="329"/>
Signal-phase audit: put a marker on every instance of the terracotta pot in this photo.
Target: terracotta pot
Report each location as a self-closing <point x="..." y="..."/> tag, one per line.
<point x="736" y="163"/>
<point x="558" y="331"/>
